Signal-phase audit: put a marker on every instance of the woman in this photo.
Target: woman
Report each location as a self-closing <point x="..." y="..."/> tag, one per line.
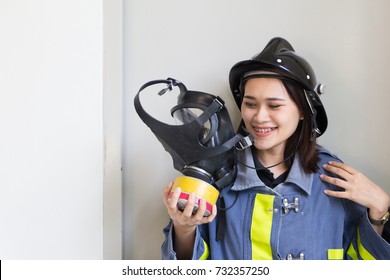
<point x="291" y="199"/>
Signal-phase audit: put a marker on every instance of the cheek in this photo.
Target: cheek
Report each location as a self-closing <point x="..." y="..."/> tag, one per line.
<point x="291" y="120"/>
<point x="246" y="116"/>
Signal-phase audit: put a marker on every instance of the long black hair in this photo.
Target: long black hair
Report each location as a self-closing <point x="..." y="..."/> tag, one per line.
<point x="301" y="141"/>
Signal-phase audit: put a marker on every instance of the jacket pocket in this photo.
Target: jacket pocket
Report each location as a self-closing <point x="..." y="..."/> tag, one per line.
<point x="335" y="254"/>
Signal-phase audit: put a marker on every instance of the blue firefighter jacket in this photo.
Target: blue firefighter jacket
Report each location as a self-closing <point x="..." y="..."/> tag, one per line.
<point x="295" y="220"/>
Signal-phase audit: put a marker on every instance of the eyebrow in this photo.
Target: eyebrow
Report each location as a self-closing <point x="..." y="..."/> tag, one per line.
<point x="268" y="99"/>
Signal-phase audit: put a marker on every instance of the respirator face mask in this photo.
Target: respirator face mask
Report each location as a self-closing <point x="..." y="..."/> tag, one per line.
<point x="202" y="144"/>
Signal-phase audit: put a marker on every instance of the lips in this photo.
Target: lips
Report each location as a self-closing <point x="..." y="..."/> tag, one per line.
<point x="264" y="131"/>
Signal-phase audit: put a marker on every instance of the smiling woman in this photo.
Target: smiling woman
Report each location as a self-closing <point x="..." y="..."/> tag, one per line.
<point x="344" y="42"/>
<point x="272" y="209"/>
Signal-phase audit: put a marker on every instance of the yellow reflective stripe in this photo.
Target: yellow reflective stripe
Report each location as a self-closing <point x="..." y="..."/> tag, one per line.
<point x="261" y="227"/>
<point x="351" y="252"/>
<point x="206" y="252"/>
<point x="363" y="251"/>
<point x="364" y="254"/>
<point x="335" y="254"/>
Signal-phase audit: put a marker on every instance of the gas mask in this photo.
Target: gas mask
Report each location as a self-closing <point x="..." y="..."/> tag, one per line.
<point x="202" y="145"/>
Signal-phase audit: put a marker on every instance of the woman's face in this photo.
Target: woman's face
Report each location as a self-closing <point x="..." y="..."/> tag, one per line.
<point x="269" y="113"/>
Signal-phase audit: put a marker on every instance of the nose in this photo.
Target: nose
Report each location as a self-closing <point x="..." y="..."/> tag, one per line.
<point x="261" y="114"/>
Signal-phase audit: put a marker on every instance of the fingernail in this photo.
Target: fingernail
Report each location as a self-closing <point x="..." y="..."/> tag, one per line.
<point x="325" y="165"/>
<point x="178" y="190"/>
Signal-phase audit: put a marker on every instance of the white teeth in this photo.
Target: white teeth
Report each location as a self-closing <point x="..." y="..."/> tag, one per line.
<point x="263" y="130"/>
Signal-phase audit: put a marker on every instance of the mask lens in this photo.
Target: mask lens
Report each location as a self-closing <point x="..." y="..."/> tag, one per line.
<point x="187" y="115"/>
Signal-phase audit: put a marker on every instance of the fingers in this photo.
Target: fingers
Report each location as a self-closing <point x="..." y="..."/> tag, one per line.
<point x="189" y="208"/>
<point x="200" y="214"/>
<point x="334" y="181"/>
<point x="337" y="194"/>
<point x="339" y="169"/>
<point x="193" y="212"/>
<point x="166" y="191"/>
<point x="345" y="173"/>
<point x="195" y="209"/>
<point x="213" y="214"/>
<point x="171" y="199"/>
<point x="356" y="186"/>
<point x="201" y="210"/>
<point x="337" y="182"/>
<point x="343" y="166"/>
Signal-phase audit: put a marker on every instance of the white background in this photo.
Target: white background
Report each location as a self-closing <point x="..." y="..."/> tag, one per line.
<point x="60" y="144"/>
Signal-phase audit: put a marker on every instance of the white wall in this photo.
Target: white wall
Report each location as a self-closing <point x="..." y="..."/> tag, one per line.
<point x="197" y="42"/>
<point x="52" y="145"/>
<point x="113" y="120"/>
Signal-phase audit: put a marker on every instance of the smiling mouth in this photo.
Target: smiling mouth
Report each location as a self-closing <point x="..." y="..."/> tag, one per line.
<point x="264" y="130"/>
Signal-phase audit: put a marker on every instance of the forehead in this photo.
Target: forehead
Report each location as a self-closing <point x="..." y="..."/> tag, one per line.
<point x="265" y="87"/>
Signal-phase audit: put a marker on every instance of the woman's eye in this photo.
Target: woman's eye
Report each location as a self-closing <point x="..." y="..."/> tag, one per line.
<point x="249" y="104"/>
<point x="274" y="106"/>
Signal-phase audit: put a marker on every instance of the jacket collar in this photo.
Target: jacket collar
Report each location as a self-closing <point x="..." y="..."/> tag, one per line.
<point x="247" y="177"/>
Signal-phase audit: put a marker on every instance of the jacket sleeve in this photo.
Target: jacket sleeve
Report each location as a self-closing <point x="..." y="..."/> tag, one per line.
<point x="367" y="244"/>
<point x="200" y="252"/>
<point x="386" y="232"/>
<point x="361" y="241"/>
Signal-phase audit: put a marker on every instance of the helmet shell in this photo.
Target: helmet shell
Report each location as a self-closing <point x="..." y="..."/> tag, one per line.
<point x="280" y="57"/>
